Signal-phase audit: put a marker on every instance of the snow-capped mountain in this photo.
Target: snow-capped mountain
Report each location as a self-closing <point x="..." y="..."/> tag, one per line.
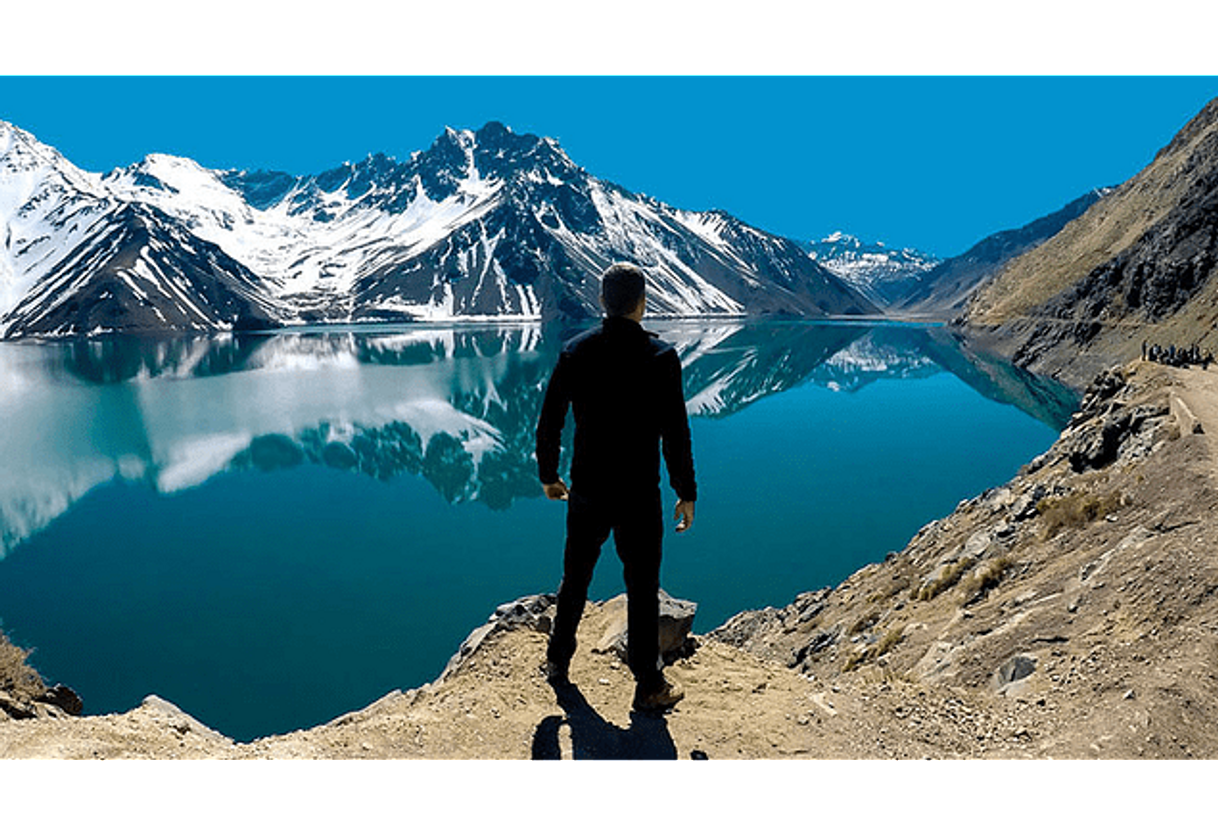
<point x="880" y="273"/>
<point x="77" y="258"/>
<point x="482" y="225"/>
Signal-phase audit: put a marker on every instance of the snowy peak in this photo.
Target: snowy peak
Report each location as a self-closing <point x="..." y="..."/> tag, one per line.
<point x="485" y="224"/>
<point x="27" y="164"/>
<point x="47" y="207"/>
<point x="182" y="187"/>
<point x="881" y="273"/>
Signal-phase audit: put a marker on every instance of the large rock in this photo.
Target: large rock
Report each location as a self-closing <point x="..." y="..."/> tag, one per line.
<point x="1105" y="428"/>
<point x="536" y="613"/>
<point x="676" y="621"/>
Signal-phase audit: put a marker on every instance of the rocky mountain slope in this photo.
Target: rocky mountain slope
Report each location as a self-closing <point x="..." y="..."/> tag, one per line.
<point x="1134" y="267"/>
<point x="1076" y="600"/>
<point x="485" y="224"/>
<point x="911" y="283"/>
<point x="943" y="289"/>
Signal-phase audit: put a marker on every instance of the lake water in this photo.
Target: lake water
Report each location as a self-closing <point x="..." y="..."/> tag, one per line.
<point x="272" y="530"/>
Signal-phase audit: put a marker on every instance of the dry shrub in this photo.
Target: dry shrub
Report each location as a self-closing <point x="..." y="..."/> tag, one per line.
<point x="877" y="649"/>
<point x="950" y="576"/>
<point x="986" y="577"/>
<point x="1078" y="509"/>
<point x="864" y="622"/>
<point x="16" y="677"/>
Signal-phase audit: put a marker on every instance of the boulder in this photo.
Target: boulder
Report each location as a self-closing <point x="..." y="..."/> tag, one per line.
<point x="676" y="621"/>
<point x="64" y="698"/>
<point x="534" y="612"/>
<point x="1010" y="677"/>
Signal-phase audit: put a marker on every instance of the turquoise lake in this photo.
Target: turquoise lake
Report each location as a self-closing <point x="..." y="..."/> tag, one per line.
<point x="272" y="530"/>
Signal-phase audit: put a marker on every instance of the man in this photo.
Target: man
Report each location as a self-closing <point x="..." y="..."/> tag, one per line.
<point x="624" y="387"/>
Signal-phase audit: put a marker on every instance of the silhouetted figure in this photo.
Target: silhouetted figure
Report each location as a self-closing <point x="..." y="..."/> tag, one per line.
<point x="623" y="385"/>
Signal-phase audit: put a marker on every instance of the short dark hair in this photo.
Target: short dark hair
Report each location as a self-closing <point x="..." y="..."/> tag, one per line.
<point x="622" y="286"/>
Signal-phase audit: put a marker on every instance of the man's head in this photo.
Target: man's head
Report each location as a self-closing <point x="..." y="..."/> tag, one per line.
<point x="623" y="286"/>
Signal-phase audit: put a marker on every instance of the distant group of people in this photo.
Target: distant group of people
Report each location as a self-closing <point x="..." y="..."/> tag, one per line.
<point x="1179" y="357"/>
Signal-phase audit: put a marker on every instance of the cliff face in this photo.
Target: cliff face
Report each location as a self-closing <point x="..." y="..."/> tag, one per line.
<point x="1135" y="266"/>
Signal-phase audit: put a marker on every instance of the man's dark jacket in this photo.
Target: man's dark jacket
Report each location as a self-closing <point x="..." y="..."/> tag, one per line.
<point x="624" y="386"/>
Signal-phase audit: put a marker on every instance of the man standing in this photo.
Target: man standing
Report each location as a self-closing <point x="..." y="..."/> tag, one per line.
<point x="624" y="387"/>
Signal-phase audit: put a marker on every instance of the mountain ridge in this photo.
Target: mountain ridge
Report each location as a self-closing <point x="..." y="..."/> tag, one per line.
<point x="485" y="224"/>
<point x="883" y="274"/>
<point x="947" y="286"/>
<point x="1135" y="267"/>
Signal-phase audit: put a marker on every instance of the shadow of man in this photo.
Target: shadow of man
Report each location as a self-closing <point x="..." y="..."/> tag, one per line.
<point x="592" y="737"/>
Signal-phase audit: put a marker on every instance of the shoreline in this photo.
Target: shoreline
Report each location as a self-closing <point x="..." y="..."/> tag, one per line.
<point x="514" y="322"/>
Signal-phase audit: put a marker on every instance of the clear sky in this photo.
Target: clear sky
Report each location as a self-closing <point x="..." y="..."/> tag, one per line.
<point x="935" y="163"/>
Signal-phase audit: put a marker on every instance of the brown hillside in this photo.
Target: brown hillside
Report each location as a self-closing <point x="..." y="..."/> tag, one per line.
<point x="1108" y="228"/>
<point x="1136" y="267"/>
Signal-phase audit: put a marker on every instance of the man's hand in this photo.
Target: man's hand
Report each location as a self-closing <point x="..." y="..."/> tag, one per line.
<point x="685" y="512"/>
<point x="556" y="491"/>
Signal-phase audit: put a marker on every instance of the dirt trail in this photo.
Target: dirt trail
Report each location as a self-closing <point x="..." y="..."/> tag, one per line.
<point x="1198" y="389"/>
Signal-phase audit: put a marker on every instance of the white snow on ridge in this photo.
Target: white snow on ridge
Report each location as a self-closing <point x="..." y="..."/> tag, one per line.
<point x="705" y="225"/>
<point x="47" y="207"/>
<point x="675" y="289"/>
<point x="297" y="254"/>
<point x="312" y="248"/>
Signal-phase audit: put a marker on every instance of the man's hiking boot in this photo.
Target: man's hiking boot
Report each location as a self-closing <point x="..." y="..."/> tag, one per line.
<point x="658" y="696"/>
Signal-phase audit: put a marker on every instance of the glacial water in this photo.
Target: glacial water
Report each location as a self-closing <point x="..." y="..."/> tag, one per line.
<point x="272" y="530"/>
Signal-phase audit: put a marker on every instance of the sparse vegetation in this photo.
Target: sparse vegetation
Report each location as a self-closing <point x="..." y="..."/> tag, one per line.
<point x="16" y="676"/>
<point x="877" y="649"/>
<point x="889" y="640"/>
<point x="985" y="577"/>
<point x="946" y="579"/>
<point x="864" y="622"/>
<point x="894" y="586"/>
<point x="1078" y="509"/>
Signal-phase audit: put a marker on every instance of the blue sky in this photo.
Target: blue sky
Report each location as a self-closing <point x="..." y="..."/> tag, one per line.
<point x="935" y="163"/>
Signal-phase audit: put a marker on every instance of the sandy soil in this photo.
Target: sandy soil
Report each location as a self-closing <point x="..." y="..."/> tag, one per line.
<point x="498" y="706"/>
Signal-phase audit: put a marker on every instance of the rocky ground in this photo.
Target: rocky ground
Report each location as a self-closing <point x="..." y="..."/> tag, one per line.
<point x="1071" y="613"/>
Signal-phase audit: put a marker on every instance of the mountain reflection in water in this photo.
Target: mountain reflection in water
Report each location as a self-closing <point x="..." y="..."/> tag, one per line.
<point x="454" y="405"/>
<point x="448" y="407"/>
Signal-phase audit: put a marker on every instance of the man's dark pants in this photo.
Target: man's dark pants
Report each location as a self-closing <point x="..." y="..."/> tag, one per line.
<point x="637" y="525"/>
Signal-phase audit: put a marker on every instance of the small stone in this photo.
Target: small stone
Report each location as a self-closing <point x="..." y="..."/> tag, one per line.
<point x="1128" y="696"/>
<point x="603" y="681"/>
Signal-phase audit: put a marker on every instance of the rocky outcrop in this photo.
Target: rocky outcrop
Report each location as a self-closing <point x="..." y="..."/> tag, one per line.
<point x="1097" y="547"/>
<point x="57" y="702"/>
<point x="536" y="613"/>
